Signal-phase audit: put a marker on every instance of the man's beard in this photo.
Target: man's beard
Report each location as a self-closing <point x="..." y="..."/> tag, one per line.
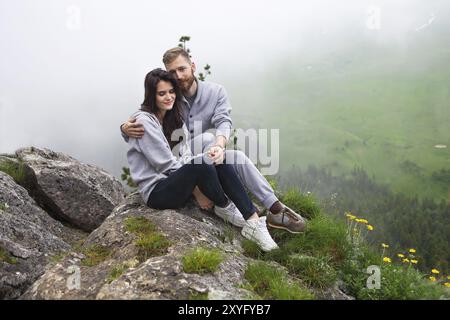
<point x="187" y="84"/>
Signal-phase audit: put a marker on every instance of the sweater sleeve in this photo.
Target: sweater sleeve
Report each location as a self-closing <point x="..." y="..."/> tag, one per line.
<point x="221" y="119"/>
<point x="155" y="148"/>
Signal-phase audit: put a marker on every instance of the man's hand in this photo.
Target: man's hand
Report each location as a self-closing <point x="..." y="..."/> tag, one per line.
<point x="216" y="154"/>
<point x="133" y="129"/>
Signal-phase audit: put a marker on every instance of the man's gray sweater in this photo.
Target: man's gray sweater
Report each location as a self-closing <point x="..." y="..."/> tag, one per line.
<point x="211" y="108"/>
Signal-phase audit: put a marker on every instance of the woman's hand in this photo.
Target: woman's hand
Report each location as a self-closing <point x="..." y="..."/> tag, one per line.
<point x="202" y="201"/>
<point x="216" y="154"/>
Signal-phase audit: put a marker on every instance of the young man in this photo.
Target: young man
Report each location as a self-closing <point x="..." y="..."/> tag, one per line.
<point x="206" y="104"/>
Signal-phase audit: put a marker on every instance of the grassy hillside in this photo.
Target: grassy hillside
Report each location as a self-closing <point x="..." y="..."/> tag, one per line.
<point x="383" y="108"/>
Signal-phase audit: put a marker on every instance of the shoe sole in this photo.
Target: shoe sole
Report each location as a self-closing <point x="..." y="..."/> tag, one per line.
<point x="228" y="222"/>
<point x="283" y="228"/>
<point x="263" y="249"/>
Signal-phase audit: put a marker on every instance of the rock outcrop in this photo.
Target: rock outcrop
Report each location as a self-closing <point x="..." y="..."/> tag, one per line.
<point x="81" y="194"/>
<point x="28" y="237"/>
<point x="159" y="277"/>
<point x="133" y="252"/>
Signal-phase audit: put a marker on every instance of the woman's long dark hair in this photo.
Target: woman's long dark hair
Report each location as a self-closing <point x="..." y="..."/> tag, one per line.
<point x="172" y="119"/>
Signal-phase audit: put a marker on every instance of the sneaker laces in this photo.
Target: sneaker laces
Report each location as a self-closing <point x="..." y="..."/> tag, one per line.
<point x="232" y="207"/>
<point x="287" y="211"/>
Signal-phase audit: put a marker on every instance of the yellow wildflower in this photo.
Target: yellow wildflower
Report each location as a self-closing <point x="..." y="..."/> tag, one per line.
<point x="447" y="284"/>
<point x="386" y="259"/>
<point x="414" y="261"/>
<point x="448" y="277"/>
<point x="369" y="227"/>
<point x="358" y="220"/>
<point x="435" y="271"/>
<point x="406" y="260"/>
<point x="432" y="279"/>
<point x="412" y="250"/>
<point x="384" y="245"/>
<point x="400" y="255"/>
<point x="364" y="221"/>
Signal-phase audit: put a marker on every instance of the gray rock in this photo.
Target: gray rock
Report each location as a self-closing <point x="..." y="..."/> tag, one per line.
<point x="80" y="194"/>
<point x="159" y="277"/>
<point x="28" y="238"/>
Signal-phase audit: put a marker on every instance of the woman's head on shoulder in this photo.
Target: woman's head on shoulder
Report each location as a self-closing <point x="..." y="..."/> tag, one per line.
<point x="163" y="98"/>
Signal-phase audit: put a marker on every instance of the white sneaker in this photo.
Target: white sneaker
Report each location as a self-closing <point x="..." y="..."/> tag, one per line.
<point x="230" y="214"/>
<point x="256" y="230"/>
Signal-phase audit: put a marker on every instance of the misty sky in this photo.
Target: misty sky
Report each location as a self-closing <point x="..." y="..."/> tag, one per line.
<point x="72" y="71"/>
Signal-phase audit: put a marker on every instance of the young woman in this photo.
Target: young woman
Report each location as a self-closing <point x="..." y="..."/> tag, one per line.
<point x="167" y="181"/>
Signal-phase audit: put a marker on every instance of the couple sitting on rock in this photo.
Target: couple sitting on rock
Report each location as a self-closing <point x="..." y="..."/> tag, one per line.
<point x="168" y="169"/>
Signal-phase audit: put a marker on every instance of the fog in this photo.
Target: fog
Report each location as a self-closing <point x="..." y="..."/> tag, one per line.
<point x="72" y="71"/>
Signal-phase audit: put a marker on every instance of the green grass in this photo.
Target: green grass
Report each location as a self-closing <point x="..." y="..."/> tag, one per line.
<point x="314" y="271"/>
<point x="325" y="236"/>
<point x="304" y="205"/>
<point x="95" y="255"/>
<point x="150" y="242"/>
<point x="139" y="225"/>
<point x="151" y="245"/>
<point x="120" y="268"/>
<point x="3" y="206"/>
<point x="251" y="249"/>
<point x="116" y="272"/>
<point x="374" y="113"/>
<point x="58" y="257"/>
<point x="227" y="234"/>
<point x="397" y="283"/>
<point x="202" y="260"/>
<point x="271" y="283"/>
<point x="6" y="257"/>
<point x="13" y="169"/>
<point x="198" y="296"/>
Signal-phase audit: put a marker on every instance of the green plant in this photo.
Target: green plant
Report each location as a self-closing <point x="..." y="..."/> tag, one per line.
<point x="95" y="255"/>
<point x="14" y="169"/>
<point x="315" y="271"/>
<point x="116" y="272"/>
<point x="3" y="206"/>
<point x="228" y="233"/>
<point x="303" y="204"/>
<point x="126" y="176"/>
<point x="202" y="260"/>
<point x="198" y="296"/>
<point x="139" y="225"/>
<point x="151" y="245"/>
<point x="149" y="242"/>
<point x="120" y="268"/>
<point x="271" y="283"/>
<point x="6" y="257"/>
<point x="402" y="283"/>
<point x="58" y="257"/>
<point x="206" y="69"/>
<point x="324" y="236"/>
<point x="251" y="249"/>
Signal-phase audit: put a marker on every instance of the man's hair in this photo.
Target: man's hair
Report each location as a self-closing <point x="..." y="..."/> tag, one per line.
<point x="171" y="54"/>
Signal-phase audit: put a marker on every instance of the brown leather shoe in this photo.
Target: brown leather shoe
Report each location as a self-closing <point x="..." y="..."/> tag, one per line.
<point x="287" y="219"/>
